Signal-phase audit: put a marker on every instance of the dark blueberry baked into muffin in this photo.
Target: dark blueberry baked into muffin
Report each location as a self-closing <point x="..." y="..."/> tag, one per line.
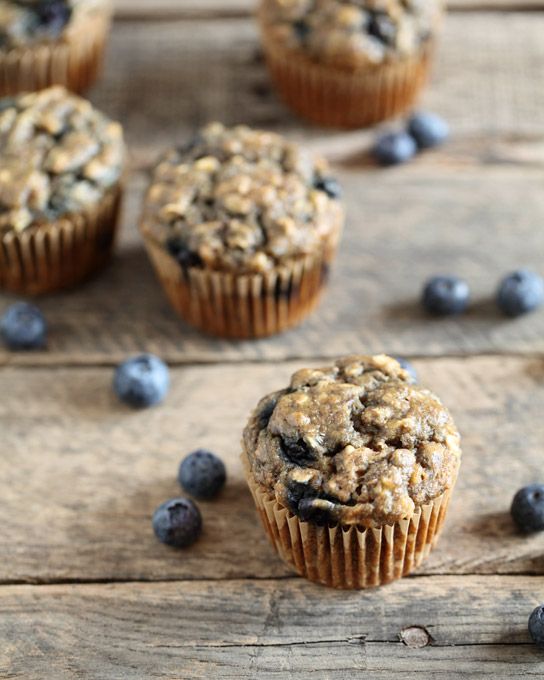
<point x="242" y="207"/>
<point x="349" y="63"/>
<point x="48" y="42"/>
<point x="354" y="447"/>
<point x="61" y="168"/>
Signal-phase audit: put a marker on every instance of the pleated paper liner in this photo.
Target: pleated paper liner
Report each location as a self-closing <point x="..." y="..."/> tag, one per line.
<point x="243" y="305"/>
<point x="60" y="254"/>
<point x="74" y="61"/>
<point x="334" y="97"/>
<point x="349" y="557"/>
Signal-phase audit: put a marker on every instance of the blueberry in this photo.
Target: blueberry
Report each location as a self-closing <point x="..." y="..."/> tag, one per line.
<point x="23" y="327"/>
<point x="382" y="28"/>
<point x="536" y="626"/>
<point x="53" y="14"/>
<point x="394" y="148"/>
<point x="520" y="292"/>
<point x="406" y="365"/>
<point x="528" y="508"/>
<point x="428" y="129"/>
<point x="202" y="474"/>
<point x="142" y="381"/>
<point x="329" y="185"/>
<point x="296" y="451"/>
<point x="177" y="522"/>
<point x="302" y="29"/>
<point x="444" y="295"/>
<point x="180" y="250"/>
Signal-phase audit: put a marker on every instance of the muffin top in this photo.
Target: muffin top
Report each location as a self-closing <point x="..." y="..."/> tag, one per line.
<point x="58" y="155"/>
<point x="241" y="200"/>
<point x="357" y="443"/>
<point x="352" y="33"/>
<point x="30" y="22"/>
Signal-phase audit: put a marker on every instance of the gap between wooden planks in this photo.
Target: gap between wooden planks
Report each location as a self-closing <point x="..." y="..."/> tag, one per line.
<point x="84" y="474"/>
<point x="470" y="625"/>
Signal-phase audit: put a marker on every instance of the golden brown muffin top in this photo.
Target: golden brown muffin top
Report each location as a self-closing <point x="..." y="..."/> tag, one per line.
<point x="243" y="200"/>
<point x="357" y="443"/>
<point x="58" y="155"/>
<point x="352" y="33"/>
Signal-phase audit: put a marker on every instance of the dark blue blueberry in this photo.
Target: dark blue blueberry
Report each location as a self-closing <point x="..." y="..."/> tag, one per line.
<point x="53" y="14"/>
<point x="177" y="522"/>
<point x="406" y="365"/>
<point x="186" y="258"/>
<point x="382" y="28"/>
<point x="142" y="381"/>
<point x="445" y="295"/>
<point x="23" y="327"/>
<point x="536" y="626"/>
<point x="297" y="451"/>
<point x="528" y="508"/>
<point x="202" y="474"/>
<point x="520" y="292"/>
<point x="428" y="129"/>
<point x="329" y="185"/>
<point x="394" y="148"/>
<point x="302" y="29"/>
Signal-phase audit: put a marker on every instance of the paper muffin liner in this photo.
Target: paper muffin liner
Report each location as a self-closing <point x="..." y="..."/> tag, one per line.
<point x="74" y="61"/>
<point x="60" y="254"/>
<point x="349" y="557"/>
<point x="331" y="96"/>
<point x="244" y="305"/>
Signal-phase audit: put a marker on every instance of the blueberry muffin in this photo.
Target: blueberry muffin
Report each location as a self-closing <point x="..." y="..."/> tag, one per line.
<point x="351" y="468"/>
<point x="61" y="172"/>
<point x="241" y="226"/>
<point x="349" y="63"/>
<point x="51" y="42"/>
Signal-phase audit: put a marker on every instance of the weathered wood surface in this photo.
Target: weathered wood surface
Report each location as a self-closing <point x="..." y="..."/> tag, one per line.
<point x="82" y="475"/>
<point x="443" y="212"/>
<point x="267" y="629"/>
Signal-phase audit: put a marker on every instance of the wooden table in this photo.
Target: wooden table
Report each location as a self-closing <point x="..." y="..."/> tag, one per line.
<point x="87" y="591"/>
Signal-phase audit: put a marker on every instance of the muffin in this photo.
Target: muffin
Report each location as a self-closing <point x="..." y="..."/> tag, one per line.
<point x="349" y="63"/>
<point x="61" y="177"/>
<point x="351" y="468"/>
<point x="241" y="227"/>
<point x="51" y="42"/>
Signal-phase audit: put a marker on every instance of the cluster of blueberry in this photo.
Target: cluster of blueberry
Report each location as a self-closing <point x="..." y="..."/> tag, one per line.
<point x="178" y="521"/>
<point x="424" y="130"/>
<point x="528" y="513"/>
<point x="520" y="292"/>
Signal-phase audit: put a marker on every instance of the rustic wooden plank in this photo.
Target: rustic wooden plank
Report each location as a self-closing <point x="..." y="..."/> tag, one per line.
<point x="247" y="629"/>
<point x="476" y="225"/>
<point x="190" y="9"/>
<point x="483" y="189"/>
<point x="82" y="475"/>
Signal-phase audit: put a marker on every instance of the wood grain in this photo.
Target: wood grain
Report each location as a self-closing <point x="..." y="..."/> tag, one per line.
<point x="83" y="474"/>
<point x="473" y="209"/>
<point x="268" y="629"/>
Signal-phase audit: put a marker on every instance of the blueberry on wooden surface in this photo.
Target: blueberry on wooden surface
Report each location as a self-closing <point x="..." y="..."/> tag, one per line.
<point x="142" y="381"/>
<point x="528" y="508"/>
<point x="177" y="522"/>
<point x="394" y="148"/>
<point x="23" y="327"/>
<point x="536" y="626"/>
<point x="520" y="292"/>
<point x="202" y="474"/>
<point x="445" y="295"/>
<point x="428" y="129"/>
